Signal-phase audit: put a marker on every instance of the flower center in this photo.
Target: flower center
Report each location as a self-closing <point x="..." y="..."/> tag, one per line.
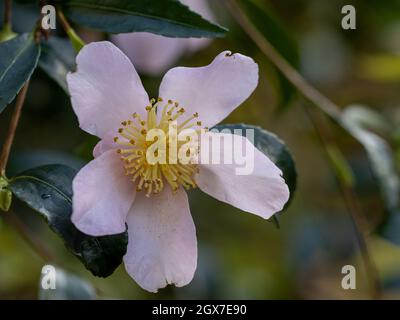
<point x="150" y="148"/>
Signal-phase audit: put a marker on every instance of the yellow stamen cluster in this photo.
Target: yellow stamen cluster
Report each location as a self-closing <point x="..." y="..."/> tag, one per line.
<point x="132" y="135"/>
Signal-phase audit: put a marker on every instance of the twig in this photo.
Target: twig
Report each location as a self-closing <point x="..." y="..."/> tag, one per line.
<point x="360" y="225"/>
<point x="291" y="74"/>
<point x="357" y="217"/>
<point x="5" y="152"/>
<point x="64" y="22"/>
<point x="7" y="12"/>
<point x="334" y="112"/>
<point x="76" y="41"/>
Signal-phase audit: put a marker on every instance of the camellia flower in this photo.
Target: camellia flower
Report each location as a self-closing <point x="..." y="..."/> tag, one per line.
<point x="153" y="54"/>
<point x="120" y="187"/>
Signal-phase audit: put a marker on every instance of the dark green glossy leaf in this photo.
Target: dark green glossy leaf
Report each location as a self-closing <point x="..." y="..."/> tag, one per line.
<point x="57" y="59"/>
<point x="273" y="147"/>
<point x="68" y="287"/>
<point x="18" y="60"/>
<point x="48" y="190"/>
<point x="168" y="17"/>
<point x="364" y="124"/>
<point x="274" y="31"/>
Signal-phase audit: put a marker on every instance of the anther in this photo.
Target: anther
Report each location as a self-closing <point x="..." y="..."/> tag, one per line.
<point x="148" y="177"/>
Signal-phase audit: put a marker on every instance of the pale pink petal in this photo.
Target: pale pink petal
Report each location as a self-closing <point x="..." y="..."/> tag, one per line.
<point x="102" y="196"/>
<point x="202" y="8"/>
<point x="213" y="91"/>
<point x="162" y="247"/>
<point x="262" y="191"/>
<point x="150" y="53"/>
<point x="153" y="54"/>
<point x="105" y="89"/>
<point x="194" y="44"/>
<point x="105" y="144"/>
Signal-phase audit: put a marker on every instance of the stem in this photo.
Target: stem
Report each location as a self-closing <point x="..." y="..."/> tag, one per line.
<point x="357" y="217"/>
<point x="63" y="20"/>
<point x="34" y="242"/>
<point x="334" y="112"/>
<point x="76" y="41"/>
<point x="5" y="152"/>
<point x="289" y="72"/>
<point x="361" y="226"/>
<point x="7" y="12"/>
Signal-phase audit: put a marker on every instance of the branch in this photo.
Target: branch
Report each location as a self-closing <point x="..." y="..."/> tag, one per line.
<point x="76" y="41"/>
<point x="357" y="217"/>
<point x="7" y="12"/>
<point x="289" y="72"/>
<point x="334" y="112"/>
<point x="5" y="152"/>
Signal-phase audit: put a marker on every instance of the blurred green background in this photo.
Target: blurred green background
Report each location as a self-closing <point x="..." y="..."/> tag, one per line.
<point x="240" y="255"/>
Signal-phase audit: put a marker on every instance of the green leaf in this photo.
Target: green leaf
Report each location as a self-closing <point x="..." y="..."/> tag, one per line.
<point x="363" y="124"/>
<point x="67" y="287"/>
<point x="18" y="60"/>
<point x="48" y="190"/>
<point x="273" y="147"/>
<point x="168" y="17"/>
<point x="266" y="22"/>
<point x="57" y="59"/>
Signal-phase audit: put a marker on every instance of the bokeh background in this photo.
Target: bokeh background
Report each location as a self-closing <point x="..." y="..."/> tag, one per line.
<point x="240" y="255"/>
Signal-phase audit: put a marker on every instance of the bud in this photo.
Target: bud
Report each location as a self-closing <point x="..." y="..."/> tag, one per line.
<point x="5" y="195"/>
<point x="76" y="41"/>
<point x="6" y="33"/>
